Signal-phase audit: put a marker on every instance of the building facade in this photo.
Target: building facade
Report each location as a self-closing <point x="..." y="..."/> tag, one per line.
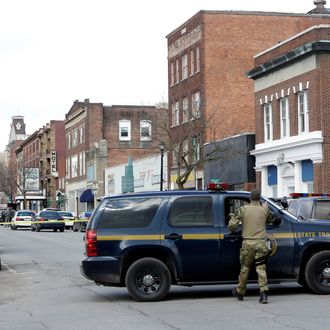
<point x="207" y="59"/>
<point x="52" y="163"/>
<point x="29" y="193"/>
<point x="100" y="136"/>
<point x="146" y="175"/>
<point x="292" y="83"/>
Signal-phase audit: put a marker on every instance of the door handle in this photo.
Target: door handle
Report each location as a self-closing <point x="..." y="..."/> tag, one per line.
<point x="173" y="236"/>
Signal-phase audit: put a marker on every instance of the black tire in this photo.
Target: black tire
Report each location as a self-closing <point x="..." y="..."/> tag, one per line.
<point x="74" y="227"/>
<point x="317" y="272"/>
<point x="38" y="228"/>
<point x="54" y="229"/>
<point x="13" y="227"/>
<point x="33" y="228"/>
<point x="61" y="230"/>
<point x="148" y="279"/>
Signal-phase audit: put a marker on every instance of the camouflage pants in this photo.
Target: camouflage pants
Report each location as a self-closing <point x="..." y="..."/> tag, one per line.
<point x="253" y="250"/>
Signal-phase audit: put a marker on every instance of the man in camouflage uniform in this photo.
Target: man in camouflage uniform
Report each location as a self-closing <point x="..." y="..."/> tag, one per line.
<point x="253" y="218"/>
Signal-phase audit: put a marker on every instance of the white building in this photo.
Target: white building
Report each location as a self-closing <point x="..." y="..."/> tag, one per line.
<point x="146" y="172"/>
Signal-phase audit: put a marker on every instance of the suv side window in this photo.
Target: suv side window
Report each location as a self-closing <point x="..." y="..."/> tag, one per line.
<point x="232" y="205"/>
<point x="191" y="212"/>
<point x="305" y="210"/>
<point x="322" y="210"/>
<point x="129" y="213"/>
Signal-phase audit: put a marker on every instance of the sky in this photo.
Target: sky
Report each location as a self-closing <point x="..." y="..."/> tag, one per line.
<point x="112" y="52"/>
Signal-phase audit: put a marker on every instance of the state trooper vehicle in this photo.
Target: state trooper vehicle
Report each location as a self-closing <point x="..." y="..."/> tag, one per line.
<point x="152" y="240"/>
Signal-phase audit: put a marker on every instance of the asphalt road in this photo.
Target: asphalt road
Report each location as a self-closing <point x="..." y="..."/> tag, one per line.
<point x="41" y="288"/>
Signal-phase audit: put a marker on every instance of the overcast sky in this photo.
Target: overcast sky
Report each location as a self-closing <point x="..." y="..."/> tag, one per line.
<point x="114" y="52"/>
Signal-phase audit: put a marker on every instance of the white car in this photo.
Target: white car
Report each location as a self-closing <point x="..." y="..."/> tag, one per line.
<point x="22" y="218"/>
<point x="68" y="217"/>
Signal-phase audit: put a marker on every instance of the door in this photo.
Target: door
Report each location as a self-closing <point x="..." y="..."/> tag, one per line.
<point x="191" y="232"/>
<point x="230" y="243"/>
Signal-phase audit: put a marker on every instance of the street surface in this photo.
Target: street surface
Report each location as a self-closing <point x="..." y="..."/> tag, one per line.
<point x="41" y="288"/>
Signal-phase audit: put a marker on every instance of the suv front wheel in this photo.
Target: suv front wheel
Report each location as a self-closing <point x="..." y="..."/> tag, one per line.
<point x="317" y="272"/>
<point x="148" y="279"/>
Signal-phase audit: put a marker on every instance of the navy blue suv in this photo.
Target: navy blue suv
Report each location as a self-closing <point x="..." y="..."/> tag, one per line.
<point x="149" y="241"/>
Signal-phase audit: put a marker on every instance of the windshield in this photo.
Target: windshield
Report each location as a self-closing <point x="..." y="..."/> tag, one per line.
<point x="25" y="214"/>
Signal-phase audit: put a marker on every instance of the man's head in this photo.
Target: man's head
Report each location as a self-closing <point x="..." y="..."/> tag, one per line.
<point x="255" y="195"/>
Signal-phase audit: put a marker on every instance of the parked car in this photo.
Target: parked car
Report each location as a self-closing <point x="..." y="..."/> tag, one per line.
<point x="81" y="225"/>
<point x="310" y="208"/>
<point x="48" y="220"/>
<point x="68" y="217"/>
<point x="22" y="218"/>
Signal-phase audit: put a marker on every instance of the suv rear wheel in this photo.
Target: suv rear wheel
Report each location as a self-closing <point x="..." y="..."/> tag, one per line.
<point x="317" y="272"/>
<point x="148" y="279"/>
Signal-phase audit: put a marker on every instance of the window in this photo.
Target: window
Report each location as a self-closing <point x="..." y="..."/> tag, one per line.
<point x="67" y="168"/>
<point x="177" y="73"/>
<point x="191" y="212"/>
<point x="192" y="62"/>
<point x="175" y="114"/>
<point x="196" y="149"/>
<point x="285" y="120"/>
<point x="90" y="172"/>
<point x="82" y="133"/>
<point x="129" y="213"/>
<point x="195" y="105"/>
<point x="232" y="205"/>
<point x="268" y="124"/>
<point x="68" y="141"/>
<point x="74" y="137"/>
<point x="74" y="166"/>
<point x="145" y="130"/>
<point x="322" y="210"/>
<point x="184" y="66"/>
<point x="124" y="130"/>
<point x="172" y="74"/>
<point x="82" y="163"/>
<point x="303" y="113"/>
<point x="185" y="109"/>
<point x="198" y="64"/>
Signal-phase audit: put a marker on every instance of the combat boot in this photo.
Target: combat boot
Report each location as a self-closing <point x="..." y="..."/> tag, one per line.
<point x="263" y="297"/>
<point x="237" y="294"/>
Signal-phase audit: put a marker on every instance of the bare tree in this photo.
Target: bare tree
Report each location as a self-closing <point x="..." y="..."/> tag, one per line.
<point x="8" y="180"/>
<point x="185" y="142"/>
<point x="18" y="178"/>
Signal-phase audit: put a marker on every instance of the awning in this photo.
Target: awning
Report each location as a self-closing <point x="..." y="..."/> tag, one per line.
<point x="87" y="196"/>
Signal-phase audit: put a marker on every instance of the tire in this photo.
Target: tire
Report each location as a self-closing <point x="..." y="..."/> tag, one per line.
<point x="317" y="272"/>
<point x="74" y="227"/>
<point x="148" y="279"/>
<point x="54" y="229"/>
<point x="38" y="228"/>
<point x="61" y="230"/>
<point x="13" y="227"/>
<point x="33" y="228"/>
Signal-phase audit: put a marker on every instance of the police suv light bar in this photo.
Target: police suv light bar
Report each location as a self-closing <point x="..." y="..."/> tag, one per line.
<point x="217" y="185"/>
<point x="297" y="195"/>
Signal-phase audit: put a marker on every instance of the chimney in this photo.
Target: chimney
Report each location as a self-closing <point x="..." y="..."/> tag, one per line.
<point x="86" y="100"/>
<point x="320" y="9"/>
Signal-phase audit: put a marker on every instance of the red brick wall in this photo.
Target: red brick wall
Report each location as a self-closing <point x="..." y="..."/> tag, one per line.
<point x="120" y="150"/>
<point x="229" y="42"/>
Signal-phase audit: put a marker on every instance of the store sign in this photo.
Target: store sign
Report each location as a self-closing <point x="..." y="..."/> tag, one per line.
<point x="53" y="167"/>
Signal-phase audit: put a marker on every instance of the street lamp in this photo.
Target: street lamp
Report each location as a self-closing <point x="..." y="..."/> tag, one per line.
<point x="161" y="147"/>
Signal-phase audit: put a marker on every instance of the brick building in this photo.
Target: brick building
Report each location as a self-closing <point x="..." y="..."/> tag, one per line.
<point x="292" y="114"/>
<point x="29" y="194"/>
<point x="100" y="136"/>
<point x="52" y="163"/>
<point x="208" y="57"/>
